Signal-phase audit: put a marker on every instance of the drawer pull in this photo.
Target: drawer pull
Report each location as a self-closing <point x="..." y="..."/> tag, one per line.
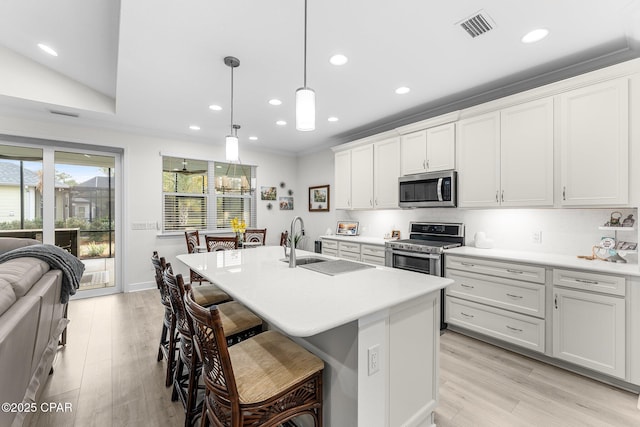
<point x="470" y="316"/>
<point x="513" y="329"/>
<point x="515" y="296"/>
<point x="468" y="264"/>
<point x="589" y="282"/>
<point x="467" y="286"/>
<point x="515" y="271"/>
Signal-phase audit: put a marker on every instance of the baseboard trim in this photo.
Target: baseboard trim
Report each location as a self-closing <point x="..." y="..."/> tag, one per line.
<point x="141" y="286"/>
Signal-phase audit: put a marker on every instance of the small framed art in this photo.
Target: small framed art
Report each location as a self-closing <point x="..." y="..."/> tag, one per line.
<point x="319" y="198"/>
<point x="347" y="228"/>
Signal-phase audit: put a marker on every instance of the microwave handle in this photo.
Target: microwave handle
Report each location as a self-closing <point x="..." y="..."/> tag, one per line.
<point x="440" y="189"/>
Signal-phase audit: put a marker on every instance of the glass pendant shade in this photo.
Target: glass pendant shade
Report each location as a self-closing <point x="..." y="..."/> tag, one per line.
<point x="232" y="148"/>
<point x="305" y="109"/>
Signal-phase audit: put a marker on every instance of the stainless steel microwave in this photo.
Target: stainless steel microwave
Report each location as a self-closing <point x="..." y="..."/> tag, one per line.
<point x="428" y="190"/>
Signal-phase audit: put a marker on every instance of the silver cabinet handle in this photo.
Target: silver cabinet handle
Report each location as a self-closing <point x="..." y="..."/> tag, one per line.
<point x="467" y="315"/>
<point x="370" y="202"/>
<point x="427" y="164"/>
<point x="497" y="192"/>
<point x="502" y="196"/>
<point x="589" y="282"/>
<point x="515" y="296"/>
<point x="467" y="286"/>
<point x="424" y="164"/>
<point x="515" y="271"/>
<point x="513" y="329"/>
<point x="376" y="202"/>
<point x="468" y="264"/>
<point x="555" y="301"/>
<point x="564" y="193"/>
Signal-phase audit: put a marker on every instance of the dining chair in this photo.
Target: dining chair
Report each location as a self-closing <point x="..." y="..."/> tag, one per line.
<point x="284" y="236"/>
<point x="193" y="242"/>
<point x="265" y="380"/>
<point x="217" y="243"/>
<point x="256" y="235"/>
<point x="237" y="322"/>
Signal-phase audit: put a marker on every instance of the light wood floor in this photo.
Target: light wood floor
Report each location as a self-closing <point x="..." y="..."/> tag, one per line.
<point x="108" y="372"/>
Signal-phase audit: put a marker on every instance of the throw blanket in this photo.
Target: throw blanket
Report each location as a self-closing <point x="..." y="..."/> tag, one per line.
<point x="57" y="258"/>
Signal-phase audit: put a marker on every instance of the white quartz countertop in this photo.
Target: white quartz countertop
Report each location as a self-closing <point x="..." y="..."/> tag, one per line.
<point x="301" y="302"/>
<point x="357" y="239"/>
<point x="548" y="259"/>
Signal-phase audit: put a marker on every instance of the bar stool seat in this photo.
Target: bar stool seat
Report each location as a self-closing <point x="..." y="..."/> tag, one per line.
<point x="237" y="319"/>
<point x="207" y="295"/>
<point x="269" y="364"/>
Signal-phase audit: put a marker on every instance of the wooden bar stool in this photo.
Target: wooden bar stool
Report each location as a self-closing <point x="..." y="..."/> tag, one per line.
<point x="264" y="381"/>
<point x="256" y="235"/>
<point x="193" y="243"/>
<point x="238" y="324"/>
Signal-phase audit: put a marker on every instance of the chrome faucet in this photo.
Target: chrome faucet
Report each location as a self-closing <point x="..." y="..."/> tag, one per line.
<point x="292" y="244"/>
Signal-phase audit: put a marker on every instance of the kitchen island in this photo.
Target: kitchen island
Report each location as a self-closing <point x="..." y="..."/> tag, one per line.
<point x="377" y="329"/>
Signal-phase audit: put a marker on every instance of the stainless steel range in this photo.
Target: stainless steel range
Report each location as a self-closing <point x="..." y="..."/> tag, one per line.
<point x="422" y="251"/>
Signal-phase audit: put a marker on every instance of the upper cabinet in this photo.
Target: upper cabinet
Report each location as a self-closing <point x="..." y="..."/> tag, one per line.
<point x="505" y="158"/>
<point x="594" y="144"/>
<point x="366" y="176"/>
<point x="428" y="150"/>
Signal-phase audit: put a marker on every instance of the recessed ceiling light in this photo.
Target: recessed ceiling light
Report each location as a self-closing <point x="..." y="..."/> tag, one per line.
<point x="47" y="49"/>
<point x="194" y="127"/>
<point x="332" y="119"/>
<point x="253" y="138"/>
<point x="535" y="35"/>
<point x="275" y="101"/>
<point x="215" y="107"/>
<point x="402" y="90"/>
<point x="338" y="59"/>
<point x="281" y="123"/>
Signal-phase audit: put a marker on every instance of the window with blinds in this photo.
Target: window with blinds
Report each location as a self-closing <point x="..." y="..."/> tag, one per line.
<point x="190" y="203"/>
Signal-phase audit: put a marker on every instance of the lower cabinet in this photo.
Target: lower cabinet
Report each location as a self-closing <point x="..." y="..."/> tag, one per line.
<point x="330" y="247"/>
<point x="589" y="330"/>
<point x="354" y="251"/>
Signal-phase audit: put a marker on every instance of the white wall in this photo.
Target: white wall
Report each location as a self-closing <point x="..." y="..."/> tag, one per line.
<point x="142" y="182"/>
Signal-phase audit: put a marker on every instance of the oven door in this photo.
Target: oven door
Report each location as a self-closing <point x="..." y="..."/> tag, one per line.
<point x="415" y="261"/>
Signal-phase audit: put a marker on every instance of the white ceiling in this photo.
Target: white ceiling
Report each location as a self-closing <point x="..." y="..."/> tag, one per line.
<point x="161" y="61"/>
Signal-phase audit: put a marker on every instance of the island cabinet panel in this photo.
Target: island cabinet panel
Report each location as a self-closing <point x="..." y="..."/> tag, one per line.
<point x="594" y="142"/>
<point x="589" y="330"/>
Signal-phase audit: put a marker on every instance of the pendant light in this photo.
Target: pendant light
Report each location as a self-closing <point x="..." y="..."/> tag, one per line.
<point x="305" y="96"/>
<point x="232" y="139"/>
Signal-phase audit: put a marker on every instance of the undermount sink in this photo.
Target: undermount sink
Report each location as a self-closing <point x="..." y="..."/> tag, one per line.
<point x="306" y="260"/>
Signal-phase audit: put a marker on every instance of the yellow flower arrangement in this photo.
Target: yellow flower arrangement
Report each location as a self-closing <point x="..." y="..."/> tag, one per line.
<point x="238" y="226"/>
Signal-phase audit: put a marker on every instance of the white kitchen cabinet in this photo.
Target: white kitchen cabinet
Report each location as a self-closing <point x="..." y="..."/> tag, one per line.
<point x="589" y="330"/>
<point x="362" y="177"/>
<point x="342" y="187"/>
<point x="526" y="154"/>
<point x="594" y="141"/>
<point x="478" y="140"/>
<point x="428" y="150"/>
<point x="354" y="250"/>
<point x="506" y="157"/>
<point x="329" y="247"/>
<point x="386" y="170"/>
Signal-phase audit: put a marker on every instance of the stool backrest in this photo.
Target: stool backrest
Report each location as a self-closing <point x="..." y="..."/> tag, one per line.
<point x="212" y="349"/>
<point x="193" y="240"/>
<point x="215" y="243"/>
<point x="159" y="264"/>
<point x="176" y="290"/>
<point x="257" y="235"/>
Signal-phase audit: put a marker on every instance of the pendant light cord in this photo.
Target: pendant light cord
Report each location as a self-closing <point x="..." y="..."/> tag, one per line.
<point x="305" y="44"/>
<point x="231" y="100"/>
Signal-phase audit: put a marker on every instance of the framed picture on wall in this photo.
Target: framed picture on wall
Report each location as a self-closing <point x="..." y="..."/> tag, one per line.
<point x="319" y="198"/>
<point x="347" y="228"/>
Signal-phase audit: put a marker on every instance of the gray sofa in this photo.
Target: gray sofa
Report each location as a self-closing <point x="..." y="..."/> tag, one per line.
<point x="32" y="320"/>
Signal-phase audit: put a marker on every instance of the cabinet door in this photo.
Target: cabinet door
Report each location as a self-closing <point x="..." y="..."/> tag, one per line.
<point x="478" y="140"/>
<point x="441" y="142"/>
<point x="595" y="144"/>
<point x="414" y="152"/>
<point x="362" y="177"/>
<point x="526" y="154"/>
<point x="589" y="330"/>
<point x="342" y="192"/>
<point x="386" y="171"/>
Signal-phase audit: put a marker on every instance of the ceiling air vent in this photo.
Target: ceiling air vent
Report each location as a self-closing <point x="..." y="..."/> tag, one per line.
<point x="478" y="24"/>
<point x="64" y="113"/>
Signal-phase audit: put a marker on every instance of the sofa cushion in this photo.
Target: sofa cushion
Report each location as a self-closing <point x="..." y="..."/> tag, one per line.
<point x="22" y="273"/>
<point x="7" y="296"/>
<point x="10" y="243"/>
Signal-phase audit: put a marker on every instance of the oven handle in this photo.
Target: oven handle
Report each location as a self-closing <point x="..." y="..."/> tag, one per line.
<point x="415" y="254"/>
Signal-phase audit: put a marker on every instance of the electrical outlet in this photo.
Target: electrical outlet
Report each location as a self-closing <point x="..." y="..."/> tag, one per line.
<point x="536" y="237"/>
<point x="373" y="354"/>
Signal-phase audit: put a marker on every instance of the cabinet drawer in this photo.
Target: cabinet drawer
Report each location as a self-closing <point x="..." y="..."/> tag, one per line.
<point x="327" y="251"/>
<point x="515" y="328"/>
<point x="329" y="244"/>
<point x="373" y="259"/>
<point x="602" y="283"/>
<point x="514" y="295"/>
<point x="509" y="270"/>
<point x="373" y="250"/>
<point x="349" y="247"/>
<point x="350" y="256"/>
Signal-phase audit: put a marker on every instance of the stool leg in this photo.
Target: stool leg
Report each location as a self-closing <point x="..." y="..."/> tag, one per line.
<point x="163" y="340"/>
<point x="171" y="353"/>
<point x="192" y="390"/>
